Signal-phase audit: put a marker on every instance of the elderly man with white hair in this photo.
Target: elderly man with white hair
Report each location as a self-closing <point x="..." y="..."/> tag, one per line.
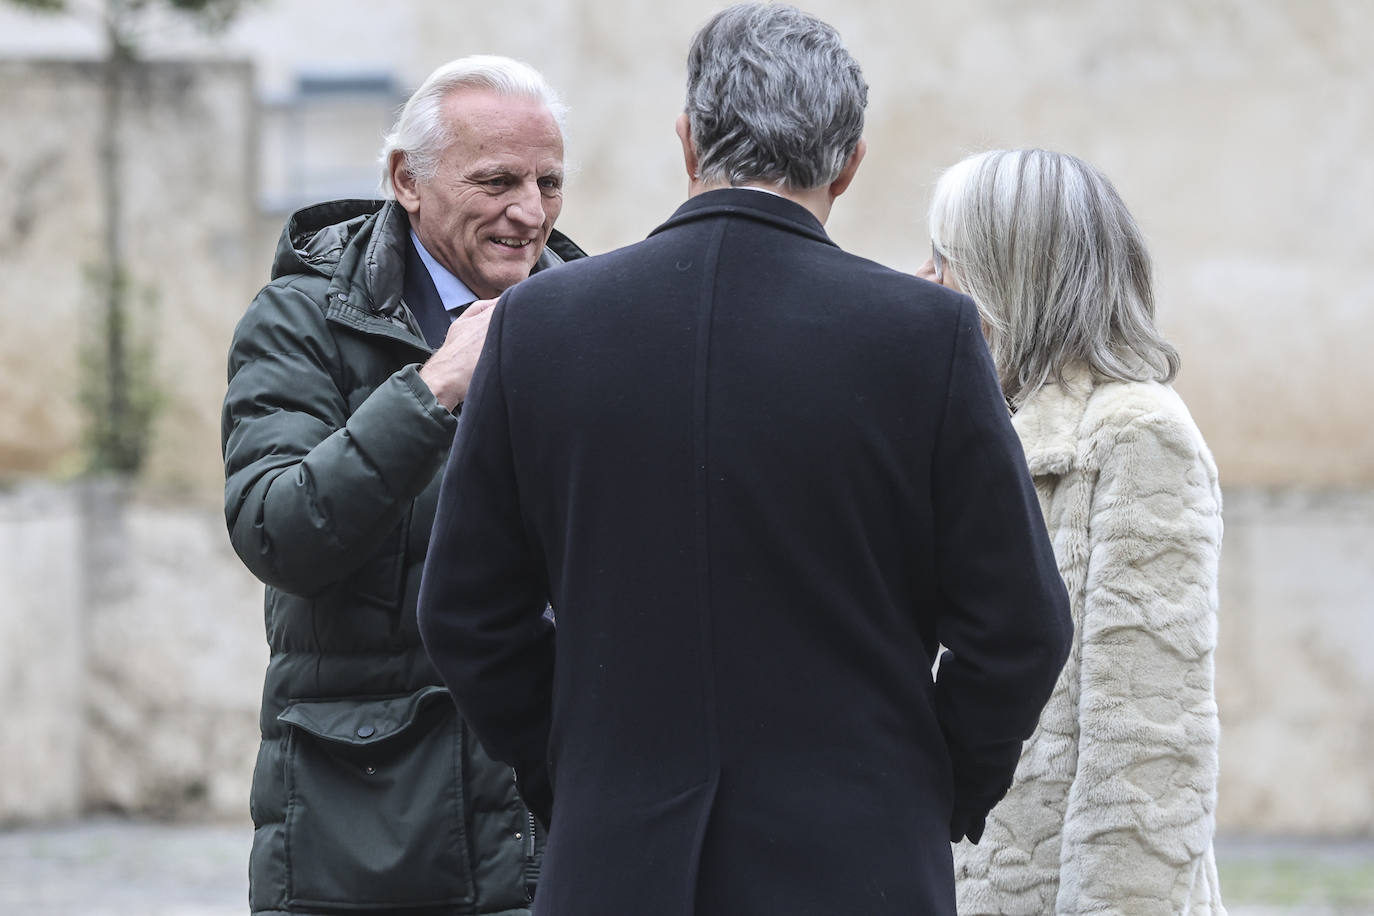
<point x="345" y="377"/>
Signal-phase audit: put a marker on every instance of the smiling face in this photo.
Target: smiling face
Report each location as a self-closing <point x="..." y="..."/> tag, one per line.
<point x="488" y="210"/>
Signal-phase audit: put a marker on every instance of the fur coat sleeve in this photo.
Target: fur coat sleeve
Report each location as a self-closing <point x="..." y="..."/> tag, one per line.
<point x="1138" y="827"/>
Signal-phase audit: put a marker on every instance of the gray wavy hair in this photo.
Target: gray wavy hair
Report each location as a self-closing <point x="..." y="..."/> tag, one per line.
<point x="773" y="96"/>
<point x="1057" y="266"/>
<point x="421" y="133"/>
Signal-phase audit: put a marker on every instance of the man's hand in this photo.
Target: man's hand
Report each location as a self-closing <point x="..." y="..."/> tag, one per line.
<point x="449" y="370"/>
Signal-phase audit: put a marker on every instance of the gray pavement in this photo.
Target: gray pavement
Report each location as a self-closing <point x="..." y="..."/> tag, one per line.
<point x="113" y="867"/>
<point x="109" y="867"/>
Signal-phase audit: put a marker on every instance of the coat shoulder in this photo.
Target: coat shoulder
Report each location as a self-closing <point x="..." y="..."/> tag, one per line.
<point x="286" y="316"/>
<point x="1119" y="412"/>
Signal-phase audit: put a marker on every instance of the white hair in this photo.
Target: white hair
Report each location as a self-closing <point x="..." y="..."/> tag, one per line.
<point x="1057" y="266"/>
<point x="421" y="134"/>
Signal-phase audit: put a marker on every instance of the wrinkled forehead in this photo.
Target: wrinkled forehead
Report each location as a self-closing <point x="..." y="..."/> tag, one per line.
<point x="483" y="119"/>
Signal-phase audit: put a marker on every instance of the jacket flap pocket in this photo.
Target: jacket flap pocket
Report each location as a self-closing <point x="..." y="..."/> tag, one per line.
<point x="360" y="722"/>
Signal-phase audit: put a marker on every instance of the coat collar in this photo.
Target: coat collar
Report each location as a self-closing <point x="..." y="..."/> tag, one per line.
<point x="766" y="208"/>
<point x="1049" y="423"/>
<point x="361" y="246"/>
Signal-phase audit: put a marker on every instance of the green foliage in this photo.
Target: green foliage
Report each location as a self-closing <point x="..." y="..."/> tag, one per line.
<point x="212" y="14"/>
<point x="1317" y="881"/>
<point x="43" y="6"/>
<point x="120" y="394"/>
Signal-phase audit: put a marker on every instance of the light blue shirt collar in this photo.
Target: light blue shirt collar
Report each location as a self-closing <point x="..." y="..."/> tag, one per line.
<point x="453" y="293"/>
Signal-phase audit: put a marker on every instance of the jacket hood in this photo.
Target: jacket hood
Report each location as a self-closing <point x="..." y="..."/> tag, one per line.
<point x="314" y="237"/>
<point x="360" y="245"/>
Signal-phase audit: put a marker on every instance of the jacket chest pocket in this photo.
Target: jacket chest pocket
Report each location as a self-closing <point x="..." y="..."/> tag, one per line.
<point x="374" y="814"/>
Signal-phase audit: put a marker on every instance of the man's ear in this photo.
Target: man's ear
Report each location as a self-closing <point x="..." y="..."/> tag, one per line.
<point x="689" y="152"/>
<point x="403" y="183"/>
<point x="841" y="182"/>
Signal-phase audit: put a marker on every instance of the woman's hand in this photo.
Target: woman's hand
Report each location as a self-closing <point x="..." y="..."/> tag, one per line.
<point x="931" y="270"/>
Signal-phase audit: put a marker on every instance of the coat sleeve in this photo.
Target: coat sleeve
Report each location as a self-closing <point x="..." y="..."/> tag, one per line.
<point x="314" y="485"/>
<point x="1005" y="617"/>
<point x="1141" y="806"/>
<point x="484" y="591"/>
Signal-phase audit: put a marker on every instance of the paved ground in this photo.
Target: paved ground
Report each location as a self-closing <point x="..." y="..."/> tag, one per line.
<point x="118" y="868"/>
<point x="108" y="867"/>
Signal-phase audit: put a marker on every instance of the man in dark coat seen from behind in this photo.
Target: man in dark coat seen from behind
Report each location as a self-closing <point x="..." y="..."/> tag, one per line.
<point x="761" y="481"/>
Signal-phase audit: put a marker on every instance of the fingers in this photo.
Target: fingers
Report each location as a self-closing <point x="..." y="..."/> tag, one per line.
<point x="469" y="328"/>
<point x="449" y="370"/>
<point x="478" y="308"/>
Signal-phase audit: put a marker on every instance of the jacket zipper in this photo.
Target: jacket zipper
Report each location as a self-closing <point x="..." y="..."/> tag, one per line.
<point x="531" y="873"/>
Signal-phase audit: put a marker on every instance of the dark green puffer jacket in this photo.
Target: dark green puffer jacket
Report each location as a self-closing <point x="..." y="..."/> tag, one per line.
<point x="369" y="794"/>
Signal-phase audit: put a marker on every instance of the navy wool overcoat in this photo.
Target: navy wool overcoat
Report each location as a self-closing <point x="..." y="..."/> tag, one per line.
<point x="761" y="481"/>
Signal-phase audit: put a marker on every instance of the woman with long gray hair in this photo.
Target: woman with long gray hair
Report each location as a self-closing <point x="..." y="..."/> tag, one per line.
<point x="1112" y="808"/>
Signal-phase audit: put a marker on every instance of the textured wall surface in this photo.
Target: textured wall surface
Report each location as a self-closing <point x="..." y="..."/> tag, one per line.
<point x="1295" y="674"/>
<point x="174" y="662"/>
<point x="1237" y="131"/>
<point x="188" y="222"/>
<point x="132" y="654"/>
<point x="132" y="650"/>
<point x="42" y="654"/>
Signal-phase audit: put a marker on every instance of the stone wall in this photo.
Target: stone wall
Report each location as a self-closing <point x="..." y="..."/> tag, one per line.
<point x="132" y="650"/>
<point x="1235" y="129"/>
<point x="130" y="637"/>
<point x="42" y="654"/>
<point x="174" y="659"/>
<point x="1295" y="675"/>
<point x="188" y="180"/>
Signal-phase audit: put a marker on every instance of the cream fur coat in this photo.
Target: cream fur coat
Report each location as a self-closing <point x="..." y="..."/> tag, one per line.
<point x="1112" y="808"/>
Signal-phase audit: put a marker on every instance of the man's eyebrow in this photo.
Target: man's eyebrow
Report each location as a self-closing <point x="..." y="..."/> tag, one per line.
<point x="488" y="172"/>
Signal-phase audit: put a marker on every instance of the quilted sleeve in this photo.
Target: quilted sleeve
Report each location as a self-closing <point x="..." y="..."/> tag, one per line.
<point x="312" y="487"/>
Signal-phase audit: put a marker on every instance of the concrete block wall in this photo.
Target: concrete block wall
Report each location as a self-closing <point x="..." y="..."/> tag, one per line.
<point x="174" y="661"/>
<point x="1295" y="672"/>
<point x="1235" y="130"/>
<point x="42" y="653"/>
<point x="132" y="653"/>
